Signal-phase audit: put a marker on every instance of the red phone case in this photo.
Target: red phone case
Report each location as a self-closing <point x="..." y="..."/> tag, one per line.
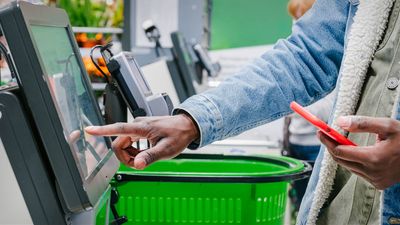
<point x="321" y="125"/>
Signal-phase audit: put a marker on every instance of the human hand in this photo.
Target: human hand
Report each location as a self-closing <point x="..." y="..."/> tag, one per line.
<point x="168" y="136"/>
<point x="379" y="164"/>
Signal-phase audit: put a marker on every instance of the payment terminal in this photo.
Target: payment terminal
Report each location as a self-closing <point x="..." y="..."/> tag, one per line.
<point x="135" y="90"/>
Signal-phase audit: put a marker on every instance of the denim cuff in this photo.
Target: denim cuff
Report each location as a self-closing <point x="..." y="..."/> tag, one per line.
<point x="207" y="117"/>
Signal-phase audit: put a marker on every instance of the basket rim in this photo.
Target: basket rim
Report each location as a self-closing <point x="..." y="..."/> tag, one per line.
<point x="296" y="170"/>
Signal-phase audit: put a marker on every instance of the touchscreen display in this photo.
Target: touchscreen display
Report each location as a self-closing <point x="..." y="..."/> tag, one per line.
<point x="74" y="105"/>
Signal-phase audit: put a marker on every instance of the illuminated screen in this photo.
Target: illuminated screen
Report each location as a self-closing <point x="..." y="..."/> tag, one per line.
<point x="74" y="105"/>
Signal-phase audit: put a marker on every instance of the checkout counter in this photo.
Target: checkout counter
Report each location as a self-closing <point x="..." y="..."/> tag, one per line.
<point x="62" y="173"/>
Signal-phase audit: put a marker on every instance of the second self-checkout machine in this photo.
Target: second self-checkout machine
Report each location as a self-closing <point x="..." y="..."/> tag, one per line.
<point x="63" y="173"/>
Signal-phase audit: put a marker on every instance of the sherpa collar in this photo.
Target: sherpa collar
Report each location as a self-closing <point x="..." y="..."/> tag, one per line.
<point x="365" y="34"/>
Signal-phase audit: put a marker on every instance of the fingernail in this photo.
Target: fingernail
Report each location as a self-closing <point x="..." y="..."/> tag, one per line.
<point x="90" y="128"/>
<point x="140" y="163"/>
<point x="344" y="122"/>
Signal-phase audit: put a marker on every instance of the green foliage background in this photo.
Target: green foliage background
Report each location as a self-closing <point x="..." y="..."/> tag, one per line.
<point x="89" y="13"/>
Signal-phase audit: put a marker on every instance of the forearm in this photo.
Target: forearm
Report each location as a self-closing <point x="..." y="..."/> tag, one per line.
<point x="304" y="67"/>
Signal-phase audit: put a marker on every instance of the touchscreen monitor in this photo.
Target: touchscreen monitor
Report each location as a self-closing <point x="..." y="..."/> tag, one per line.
<point x="185" y="62"/>
<point x="55" y="89"/>
<point x="74" y="106"/>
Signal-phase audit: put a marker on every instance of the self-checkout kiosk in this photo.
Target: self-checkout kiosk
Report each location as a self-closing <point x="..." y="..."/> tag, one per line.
<point x="54" y="172"/>
<point x="62" y="173"/>
<point x="183" y="68"/>
<point x="191" y="62"/>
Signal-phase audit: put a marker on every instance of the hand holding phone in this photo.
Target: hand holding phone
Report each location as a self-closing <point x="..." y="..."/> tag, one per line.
<point x="321" y="125"/>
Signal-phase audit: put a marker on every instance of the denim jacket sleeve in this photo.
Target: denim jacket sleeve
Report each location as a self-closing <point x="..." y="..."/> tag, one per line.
<point x="304" y="67"/>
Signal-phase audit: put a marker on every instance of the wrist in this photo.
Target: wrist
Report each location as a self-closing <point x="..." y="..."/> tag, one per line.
<point x="193" y="131"/>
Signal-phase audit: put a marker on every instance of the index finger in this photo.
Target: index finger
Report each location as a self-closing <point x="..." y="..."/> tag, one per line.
<point x="351" y="153"/>
<point x="119" y="129"/>
<point x="345" y="152"/>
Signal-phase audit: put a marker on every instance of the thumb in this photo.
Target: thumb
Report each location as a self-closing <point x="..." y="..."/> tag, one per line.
<point x="144" y="159"/>
<point x="161" y="150"/>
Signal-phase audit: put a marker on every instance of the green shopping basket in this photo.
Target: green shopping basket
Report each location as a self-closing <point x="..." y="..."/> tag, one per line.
<point x="208" y="189"/>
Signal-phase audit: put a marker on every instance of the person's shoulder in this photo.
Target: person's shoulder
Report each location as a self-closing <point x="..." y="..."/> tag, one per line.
<point x="336" y="2"/>
<point x="330" y="10"/>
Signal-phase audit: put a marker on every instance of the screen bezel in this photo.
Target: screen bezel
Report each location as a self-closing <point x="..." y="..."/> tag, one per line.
<point x="78" y="194"/>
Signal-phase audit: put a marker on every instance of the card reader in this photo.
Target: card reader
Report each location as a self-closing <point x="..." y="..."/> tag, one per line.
<point x="134" y="88"/>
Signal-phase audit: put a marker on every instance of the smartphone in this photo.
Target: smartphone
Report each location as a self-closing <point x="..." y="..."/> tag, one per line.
<point x="321" y="125"/>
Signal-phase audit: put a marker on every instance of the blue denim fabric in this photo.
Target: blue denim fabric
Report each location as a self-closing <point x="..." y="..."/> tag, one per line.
<point x="391" y="203"/>
<point x="303" y="152"/>
<point x="304" y="67"/>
